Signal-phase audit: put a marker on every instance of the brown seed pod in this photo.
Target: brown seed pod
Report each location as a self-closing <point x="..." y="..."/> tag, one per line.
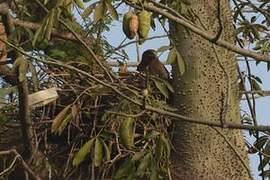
<point x="134" y="24"/>
<point x="126" y="25"/>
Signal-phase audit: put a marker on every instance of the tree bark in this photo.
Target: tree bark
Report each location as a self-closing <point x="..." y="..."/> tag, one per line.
<point x="204" y="152"/>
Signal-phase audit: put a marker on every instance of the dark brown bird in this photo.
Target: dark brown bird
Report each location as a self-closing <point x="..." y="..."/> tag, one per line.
<point x="151" y="63"/>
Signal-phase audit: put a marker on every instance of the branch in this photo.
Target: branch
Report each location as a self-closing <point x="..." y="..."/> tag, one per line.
<point x="78" y="37"/>
<point x="4" y="10"/>
<point x="23" y="163"/>
<point x="203" y="34"/>
<point x="56" y="33"/>
<point x="24" y="115"/>
<point x="180" y="117"/>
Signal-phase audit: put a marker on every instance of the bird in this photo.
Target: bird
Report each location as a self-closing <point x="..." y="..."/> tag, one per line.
<point x="151" y="63"/>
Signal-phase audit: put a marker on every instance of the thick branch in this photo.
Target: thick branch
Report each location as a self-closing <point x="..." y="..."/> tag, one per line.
<point x="34" y="26"/>
<point x="204" y="34"/>
<point x="24" y="115"/>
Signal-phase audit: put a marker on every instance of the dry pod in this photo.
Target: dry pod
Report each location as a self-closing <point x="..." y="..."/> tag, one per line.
<point x="133" y="24"/>
<point x="144" y="23"/>
<point x="126" y="25"/>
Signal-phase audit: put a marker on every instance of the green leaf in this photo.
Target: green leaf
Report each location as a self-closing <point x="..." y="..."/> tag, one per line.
<point x="126" y="169"/>
<point x="107" y="151"/>
<point x="257" y="78"/>
<point x="57" y="54"/>
<point x="138" y="155"/>
<point x="167" y="146"/>
<point x="126" y="132"/>
<point x="154" y="172"/>
<point x="64" y="123"/>
<point x="50" y="24"/>
<point x="181" y="63"/>
<point x="168" y="85"/>
<point x="161" y="87"/>
<point x="98" y="153"/>
<point x="105" y="116"/>
<point x="255" y="33"/>
<point x="144" y="164"/>
<point x="60" y="117"/>
<point x="79" y="3"/>
<point x="259" y="143"/>
<point x="265" y="160"/>
<point x="88" y="11"/>
<point x="171" y="56"/>
<point x="159" y="149"/>
<point x="111" y="10"/>
<point x="100" y="11"/>
<point x="81" y="154"/>
<point x="253" y="19"/>
<point x="152" y="134"/>
<point x="263" y="163"/>
<point x="45" y="2"/>
<point x="163" y="48"/>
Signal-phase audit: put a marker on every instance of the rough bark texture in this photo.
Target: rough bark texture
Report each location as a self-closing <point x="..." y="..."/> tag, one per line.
<point x="201" y="153"/>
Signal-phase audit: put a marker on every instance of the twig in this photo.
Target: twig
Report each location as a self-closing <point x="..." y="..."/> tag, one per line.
<point x="132" y="42"/>
<point x="10" y="168"/>
<point x="23" y="163"/>
<point x="127" y="115"/>
<point x="24" y="115"/>
<point x="203" y="34"/>
<point x="138" y="48"/>
<point x="96" y="59"/>
<point x="147" y="107"/>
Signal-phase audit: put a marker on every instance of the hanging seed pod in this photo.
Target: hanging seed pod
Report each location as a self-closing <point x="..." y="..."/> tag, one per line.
<point x="133" y="24"/>
<point x="144" y="23"/>
<point x="126" y="25"/>
<point x="126" y="132"/>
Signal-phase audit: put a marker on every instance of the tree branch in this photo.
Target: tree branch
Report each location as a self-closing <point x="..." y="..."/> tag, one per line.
<point x="180" y="117"/>
<point x="23" y="163"/>
<point x="203" y="34"/>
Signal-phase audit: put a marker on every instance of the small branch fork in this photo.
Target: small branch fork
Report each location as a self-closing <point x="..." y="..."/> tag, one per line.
<point x="17" y="160"/>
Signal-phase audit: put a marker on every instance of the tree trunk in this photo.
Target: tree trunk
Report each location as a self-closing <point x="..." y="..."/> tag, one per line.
<point x="202" y="92"/>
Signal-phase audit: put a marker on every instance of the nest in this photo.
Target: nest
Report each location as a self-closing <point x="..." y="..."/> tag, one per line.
<point x="92" y="119"/>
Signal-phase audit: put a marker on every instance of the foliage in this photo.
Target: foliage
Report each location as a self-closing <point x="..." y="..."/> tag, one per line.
<point x="91" y="125"/>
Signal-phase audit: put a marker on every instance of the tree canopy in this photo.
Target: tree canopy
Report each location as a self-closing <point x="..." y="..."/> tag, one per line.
<point x="73" y="107"/>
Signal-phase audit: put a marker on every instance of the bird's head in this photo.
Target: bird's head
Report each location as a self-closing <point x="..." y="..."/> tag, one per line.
<point x="148" y="57"/>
